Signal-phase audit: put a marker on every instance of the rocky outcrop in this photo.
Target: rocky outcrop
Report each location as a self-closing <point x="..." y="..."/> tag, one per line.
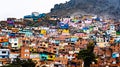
<point x="107" y="8"/>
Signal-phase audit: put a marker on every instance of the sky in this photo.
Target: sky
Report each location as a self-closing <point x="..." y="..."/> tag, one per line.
<point x="20" y="8"/>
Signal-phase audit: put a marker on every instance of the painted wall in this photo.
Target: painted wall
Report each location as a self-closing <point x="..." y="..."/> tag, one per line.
<point x="45" y="56"/>
<point x="4" y="53"/>
<point x="14" y="42"/>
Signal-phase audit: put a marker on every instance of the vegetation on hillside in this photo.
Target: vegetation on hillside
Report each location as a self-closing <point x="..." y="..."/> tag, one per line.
<point x="21" y="63"/>
<point x="87" y="55"/>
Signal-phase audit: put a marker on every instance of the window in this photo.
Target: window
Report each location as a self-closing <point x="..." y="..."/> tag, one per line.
<point x="51" y="56"/>
<point x="113" y="32"/>
<point x="3" y="56"/>
<point x="26" y="50"/>
<point x="15" y="39"/>
<point x="23" y="41"/>
<point x="27" y="42"/>
<point x="3" y="52"/>
<point x="1" y="39"/>
<point x="26" y="54"/>
<point x="43" y="57"/>
<point x="54" y="51"/>
<point x="15" y="43"/>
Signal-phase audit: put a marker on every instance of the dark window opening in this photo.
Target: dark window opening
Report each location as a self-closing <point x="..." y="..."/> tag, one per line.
<point x="27" y="42"/>
<point x="43" y="57"/>
<point x="51" y="56"/>
<point x="4" y="52"/>
<point x="1" y="39"/>
<point x="3" y="56"/>
<point x="54" y="48"/>
<point x="15" y="44"/>
<point x="23" y="41"/>
<point x="54" y="51"/>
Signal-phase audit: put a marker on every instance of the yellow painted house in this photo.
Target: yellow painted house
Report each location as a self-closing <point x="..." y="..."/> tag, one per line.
<point x="33" y="49"/>
<point x="65" y="31"/>
<point x="43" y="32"/>
<point x="59" y="30"/>
<point x="51" y="57"/>
<point x="44" y="44"/>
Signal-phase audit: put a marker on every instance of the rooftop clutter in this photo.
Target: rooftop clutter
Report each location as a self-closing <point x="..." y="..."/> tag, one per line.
<point x="35" y="16"/>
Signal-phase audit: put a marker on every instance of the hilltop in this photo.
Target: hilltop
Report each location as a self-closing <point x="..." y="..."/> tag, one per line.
<point x="106" y="8"/>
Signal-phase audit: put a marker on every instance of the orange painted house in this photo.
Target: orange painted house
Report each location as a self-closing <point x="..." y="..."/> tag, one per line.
<point x="25" y="52"/>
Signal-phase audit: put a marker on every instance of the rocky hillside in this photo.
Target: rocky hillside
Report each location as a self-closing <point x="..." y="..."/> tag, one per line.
<point x="106" y="8"/>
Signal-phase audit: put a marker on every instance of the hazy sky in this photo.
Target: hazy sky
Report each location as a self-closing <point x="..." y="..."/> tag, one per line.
<point x="19" y="8"/>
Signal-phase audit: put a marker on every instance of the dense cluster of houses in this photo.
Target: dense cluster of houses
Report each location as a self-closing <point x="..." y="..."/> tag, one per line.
<point x="59" y="45"/>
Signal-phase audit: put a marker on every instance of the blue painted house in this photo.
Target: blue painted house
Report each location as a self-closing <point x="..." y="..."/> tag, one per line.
<point x="85" y="29"/>
<point x="62" y="25"/>
<point x="112" y="27"/>
<point x="12" y="35"/>
<point x="35" y="16"/>
<point x="57" y="42"/>
<point x="43" y="56"/>
<point x="27" y="33"/>
<point x="5" y="44"/>
<point x="73" y="39"/>
<point x="46" y="56"/>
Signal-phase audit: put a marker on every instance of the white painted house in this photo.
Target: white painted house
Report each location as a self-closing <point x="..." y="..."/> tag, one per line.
<point x="4" y="53"/>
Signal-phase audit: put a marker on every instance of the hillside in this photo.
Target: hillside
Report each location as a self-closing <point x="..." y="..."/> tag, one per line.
<point x="106" y="8"/>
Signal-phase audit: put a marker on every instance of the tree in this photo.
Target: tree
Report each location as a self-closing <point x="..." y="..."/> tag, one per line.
<point x="87" y="55"/>
<point x="21" y="63"/>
